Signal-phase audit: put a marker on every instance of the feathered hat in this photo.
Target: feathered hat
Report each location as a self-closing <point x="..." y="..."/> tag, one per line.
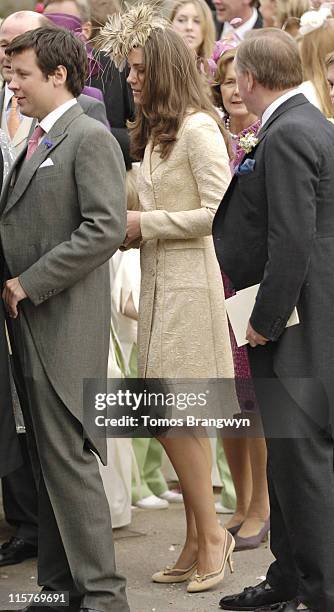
<point x="126" y="31"/>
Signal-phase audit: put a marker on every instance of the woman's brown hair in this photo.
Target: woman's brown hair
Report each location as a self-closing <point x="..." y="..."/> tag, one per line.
<point x="172" y="89"/>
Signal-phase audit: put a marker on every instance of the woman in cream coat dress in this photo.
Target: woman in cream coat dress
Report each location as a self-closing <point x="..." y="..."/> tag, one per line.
<point x="182" y="320"/>
<point x="183" y="329"/>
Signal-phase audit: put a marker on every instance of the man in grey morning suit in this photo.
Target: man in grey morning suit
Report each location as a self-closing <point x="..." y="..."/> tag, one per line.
<point x="275" y="227"/>
<point x="18" y="486"/>
<point x="63" y="216"/>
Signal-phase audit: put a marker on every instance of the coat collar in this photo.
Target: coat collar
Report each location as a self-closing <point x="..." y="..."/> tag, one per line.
<point x="29" y="168"/>
<point x="296" y="100"/>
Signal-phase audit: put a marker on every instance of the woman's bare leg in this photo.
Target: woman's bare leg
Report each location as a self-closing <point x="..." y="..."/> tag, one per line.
<point x="258" y="510"/>
<point x="191" y="459"/>
<point x="238" y="459"/>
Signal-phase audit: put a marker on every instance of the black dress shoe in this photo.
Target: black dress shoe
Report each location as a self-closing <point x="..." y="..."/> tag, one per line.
<point x="72" y="607"/>
<point x="291" y="606"/>
<point x="254" y="598"/>
<point x="15" y="551"/>
<point x="35" y="608"/>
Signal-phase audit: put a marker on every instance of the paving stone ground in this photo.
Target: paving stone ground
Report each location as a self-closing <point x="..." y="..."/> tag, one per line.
<point x="151" y="541"/>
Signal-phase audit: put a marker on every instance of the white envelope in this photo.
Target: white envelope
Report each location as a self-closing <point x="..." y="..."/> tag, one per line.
<point x="46" y="163"/>
<point x="239" y="309"/>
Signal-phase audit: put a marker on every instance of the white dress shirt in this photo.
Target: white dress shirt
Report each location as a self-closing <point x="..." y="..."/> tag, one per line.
<point x="242" y="30"/>
<point x="276" y="103"/>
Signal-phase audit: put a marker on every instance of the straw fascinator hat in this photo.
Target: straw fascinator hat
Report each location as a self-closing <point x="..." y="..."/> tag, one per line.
<point x="128" y="30"/>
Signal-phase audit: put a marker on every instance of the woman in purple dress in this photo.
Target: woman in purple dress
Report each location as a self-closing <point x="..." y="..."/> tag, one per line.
<point x="246" y="456"/>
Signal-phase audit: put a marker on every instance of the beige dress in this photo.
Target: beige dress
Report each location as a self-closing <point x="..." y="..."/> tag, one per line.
<point x="183" y="330"/>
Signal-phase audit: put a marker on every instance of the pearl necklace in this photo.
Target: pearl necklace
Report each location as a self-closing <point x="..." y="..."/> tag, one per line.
<point x="227" y="125"/>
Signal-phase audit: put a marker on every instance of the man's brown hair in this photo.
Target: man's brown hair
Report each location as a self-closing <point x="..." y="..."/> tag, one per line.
<point x="55" y="47"/>
<point x="272" y="57"/>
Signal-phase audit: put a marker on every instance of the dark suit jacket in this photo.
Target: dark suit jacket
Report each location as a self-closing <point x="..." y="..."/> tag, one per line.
<point x="118" y="100"/>
<point x="9" y="449"/>
<point x="275" y="226"/>
<point x="94" y="108"/>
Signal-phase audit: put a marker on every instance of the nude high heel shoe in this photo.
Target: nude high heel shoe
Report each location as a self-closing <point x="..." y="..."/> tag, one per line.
<point x="203" y="582"/>
<point x="173" y="574"/>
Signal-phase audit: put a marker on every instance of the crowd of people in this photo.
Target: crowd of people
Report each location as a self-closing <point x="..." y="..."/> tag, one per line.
<point x="154" y="163"/>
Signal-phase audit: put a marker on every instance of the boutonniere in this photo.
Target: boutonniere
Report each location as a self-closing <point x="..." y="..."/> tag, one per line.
<point x="248" y="141"/>
<point x="48" y="143"/>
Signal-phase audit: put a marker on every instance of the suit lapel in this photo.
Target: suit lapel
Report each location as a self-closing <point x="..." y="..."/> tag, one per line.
<point x="290" y="103"/>
<point x="3" y="122"/>
<point x="23" y="131"/>
<point x="10" y="180"/>
<point x="29" y="167"/>
<point x="296" y="100"/>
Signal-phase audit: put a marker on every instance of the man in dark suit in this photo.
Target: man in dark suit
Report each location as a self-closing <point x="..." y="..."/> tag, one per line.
<point x="57" y="296"/>
<point x="245" y="10"/>
<point x="275" y="227"/>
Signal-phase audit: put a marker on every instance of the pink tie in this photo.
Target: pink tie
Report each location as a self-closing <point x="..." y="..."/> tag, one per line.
<point x="33" y="142"/>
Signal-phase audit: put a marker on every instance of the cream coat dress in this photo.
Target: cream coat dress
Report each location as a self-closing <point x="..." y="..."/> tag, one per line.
<point x="183" y="331"/>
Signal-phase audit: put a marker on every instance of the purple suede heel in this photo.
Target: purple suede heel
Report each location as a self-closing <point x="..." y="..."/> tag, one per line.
<point x="253" y="541"/>
<point x="233" y="530"/>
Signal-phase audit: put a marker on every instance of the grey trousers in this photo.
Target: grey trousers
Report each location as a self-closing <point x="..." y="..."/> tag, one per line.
<point x="75" y="541"/>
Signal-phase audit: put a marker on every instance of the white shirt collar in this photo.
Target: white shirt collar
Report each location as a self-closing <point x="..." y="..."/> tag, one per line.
<point x="48" y="122"/>
<point x="276" y="103"/>
<point x="242" y="30"/>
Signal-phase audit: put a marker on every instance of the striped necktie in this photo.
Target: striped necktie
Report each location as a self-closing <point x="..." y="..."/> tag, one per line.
<point x="34" y="141"/>
<point x="13" y="118"/>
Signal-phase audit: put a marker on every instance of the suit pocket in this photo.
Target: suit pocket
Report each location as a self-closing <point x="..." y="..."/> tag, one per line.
<point x="185" y="270"/>
<point x="48" y="172"/>
<point x="249" y="176"/>
<point x="181" y="243"/>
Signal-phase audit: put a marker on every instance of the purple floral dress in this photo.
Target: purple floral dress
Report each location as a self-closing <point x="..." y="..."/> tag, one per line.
<point x="243" y="378"/>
